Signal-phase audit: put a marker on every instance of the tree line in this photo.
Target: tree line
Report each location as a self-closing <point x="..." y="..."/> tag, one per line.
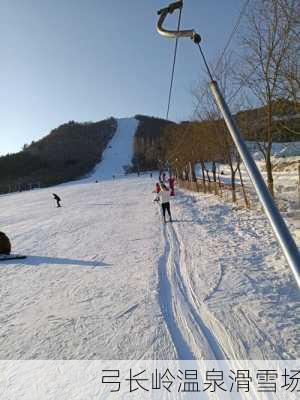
<point x="68" y="152"/>
<point x="260" y="80"/>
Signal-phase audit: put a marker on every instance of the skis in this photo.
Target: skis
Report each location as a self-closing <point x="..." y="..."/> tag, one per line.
<point x="7" y="257"/>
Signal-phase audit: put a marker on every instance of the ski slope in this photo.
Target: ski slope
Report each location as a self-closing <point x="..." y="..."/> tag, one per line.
<point x="106" y="279"/>
<point x="118" y="153"/>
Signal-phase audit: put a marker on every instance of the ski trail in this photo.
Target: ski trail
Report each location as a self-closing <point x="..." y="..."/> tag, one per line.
<point x="118" y="152"/>
<point x="192" y="300"/>
<point x="191" y="337"/>
<point x="166" y="304"/>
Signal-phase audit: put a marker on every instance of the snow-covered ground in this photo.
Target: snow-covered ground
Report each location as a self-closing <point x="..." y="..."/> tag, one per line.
<point x="282" y="149"/>
<point x="286" y="162"/>
<point x="106" y="279"/>
<point x="118" y="153"/>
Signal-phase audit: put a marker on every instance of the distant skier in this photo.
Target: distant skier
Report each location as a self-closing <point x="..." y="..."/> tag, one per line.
<point x="157" y="190"/>
<point x="57" y="198"/>
<point x="164" y="196"/>
<point x="164" y="178"/>
<point x="172" y="185"/>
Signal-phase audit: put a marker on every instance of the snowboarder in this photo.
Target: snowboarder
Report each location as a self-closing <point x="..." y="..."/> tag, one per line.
<point x="164" y="196"/>
<point x="57" y="198"/>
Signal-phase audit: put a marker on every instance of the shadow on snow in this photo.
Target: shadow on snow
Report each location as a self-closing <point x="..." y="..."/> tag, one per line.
<point x="37" y="260"/>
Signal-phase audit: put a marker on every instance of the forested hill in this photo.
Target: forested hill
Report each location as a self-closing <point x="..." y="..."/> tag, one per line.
<point x="67" y="153"/>
<point x="158" y="139"/>
<point x="150" y="142"/>
<point x="73" y="149"/>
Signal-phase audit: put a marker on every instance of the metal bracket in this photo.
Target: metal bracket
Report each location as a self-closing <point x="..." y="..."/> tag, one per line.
<point x="171" y="7"/>
<point x="174" y="34"/>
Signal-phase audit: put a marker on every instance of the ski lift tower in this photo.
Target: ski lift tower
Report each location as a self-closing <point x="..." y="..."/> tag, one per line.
<point x="282" y="233"/>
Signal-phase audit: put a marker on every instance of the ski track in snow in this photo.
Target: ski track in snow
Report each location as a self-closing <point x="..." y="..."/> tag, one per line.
<point x="234" y="274"/>
<point x="106" y="279"/>
<point x="183" y="317"/>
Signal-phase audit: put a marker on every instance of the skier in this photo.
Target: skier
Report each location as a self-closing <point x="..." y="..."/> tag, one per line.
<point x="157" y="190"/>
<point x="162" y="177"/>
<point x="172" y="184"/>
<point x="164" y="196"/>
<point x="57" y="198"/>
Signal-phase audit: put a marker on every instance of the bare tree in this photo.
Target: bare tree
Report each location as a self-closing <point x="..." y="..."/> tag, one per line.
<point x="220" y="144"/>
<point x="291" y="66"/>
<point x="266" y="42"/>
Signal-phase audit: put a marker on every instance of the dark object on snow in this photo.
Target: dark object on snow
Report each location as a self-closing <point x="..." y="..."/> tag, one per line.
<point x="57" y="198"/>
<point x="8" y="257"/>
<point x="5" y="246"/>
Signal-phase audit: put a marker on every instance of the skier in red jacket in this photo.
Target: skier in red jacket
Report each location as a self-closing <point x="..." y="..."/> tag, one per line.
<point x="157" y="190"/>
<point x="172" y="185"/>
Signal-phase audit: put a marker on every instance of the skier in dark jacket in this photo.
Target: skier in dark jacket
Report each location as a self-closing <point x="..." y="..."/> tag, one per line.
<point x="57" y="198"/>
<point x="164" y="196"/>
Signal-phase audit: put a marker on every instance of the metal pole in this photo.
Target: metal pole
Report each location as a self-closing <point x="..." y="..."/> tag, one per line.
<point x="299" y="182"/>
<point x="280" y="229"/>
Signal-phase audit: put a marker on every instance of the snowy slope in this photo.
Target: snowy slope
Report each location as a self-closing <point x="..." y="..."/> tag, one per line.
<point x="105" y="279"/>
<point x="119" y="151"/>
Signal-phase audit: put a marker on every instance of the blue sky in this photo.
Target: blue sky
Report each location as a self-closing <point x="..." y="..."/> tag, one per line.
<point x="86" y="60"/>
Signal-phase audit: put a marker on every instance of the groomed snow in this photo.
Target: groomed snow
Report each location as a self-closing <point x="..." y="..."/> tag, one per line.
<point x="106" y="279"/>
<point x="118" y="153"/>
